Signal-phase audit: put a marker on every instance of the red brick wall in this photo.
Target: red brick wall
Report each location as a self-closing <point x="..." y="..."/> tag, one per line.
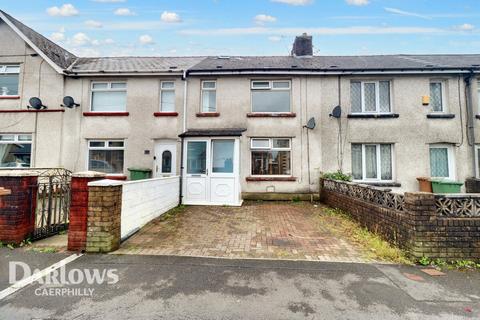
<point x="17" y="210"/>
<point x="77" y="230"/>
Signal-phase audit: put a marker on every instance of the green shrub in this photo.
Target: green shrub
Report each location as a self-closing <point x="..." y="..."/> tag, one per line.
<point x="338" y="175"/>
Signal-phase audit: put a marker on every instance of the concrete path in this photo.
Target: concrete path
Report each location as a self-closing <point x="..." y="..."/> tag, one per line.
<point x="281" y="230"/>
<point x="161" y="287"/>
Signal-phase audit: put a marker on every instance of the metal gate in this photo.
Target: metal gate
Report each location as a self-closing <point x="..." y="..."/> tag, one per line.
<point x="51" y="203"/>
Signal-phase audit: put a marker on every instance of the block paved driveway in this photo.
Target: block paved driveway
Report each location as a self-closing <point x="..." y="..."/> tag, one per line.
<point x="279" y="230"/>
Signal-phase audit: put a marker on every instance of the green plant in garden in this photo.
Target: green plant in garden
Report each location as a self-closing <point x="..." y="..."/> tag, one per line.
<point x="338" y="175"/>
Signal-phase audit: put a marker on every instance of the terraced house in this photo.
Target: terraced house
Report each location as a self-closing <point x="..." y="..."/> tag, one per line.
<point x="239" y="127"/>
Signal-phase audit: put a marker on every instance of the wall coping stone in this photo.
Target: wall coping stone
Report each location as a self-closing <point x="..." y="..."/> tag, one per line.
<point x="19" y="173"/>
<point x="88" y="174"/>
<point x="105" y="183"/>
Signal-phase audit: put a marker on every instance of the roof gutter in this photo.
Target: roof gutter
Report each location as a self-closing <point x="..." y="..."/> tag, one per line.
<point x="99" y="73"/>
<point x="329" y="72"/>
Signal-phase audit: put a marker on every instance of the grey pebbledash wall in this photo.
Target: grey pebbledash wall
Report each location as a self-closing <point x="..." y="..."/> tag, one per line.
<point x="415" y="225"/>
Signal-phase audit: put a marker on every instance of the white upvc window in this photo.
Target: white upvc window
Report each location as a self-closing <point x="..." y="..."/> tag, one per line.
<point x="478" y="95"/>
<point x="370" y="97"/>
<point x="372" y="162"/>
<point x="9" y="80"/>
<point x="271" y="96"/>
<point x="477" y="161"/>
<point x="106" y="156"/>
<point x="442" y="161"/>
<point x="109" y="96"/>
<point x="271" y="156"/>
<point x="209" y="96"/>
<point x="15" y="150"/>
<point x="438" y="100"/>
<point x="167" y="96"/>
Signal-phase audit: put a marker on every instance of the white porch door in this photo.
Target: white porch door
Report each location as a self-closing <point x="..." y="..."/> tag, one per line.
<point x="211" y="171"/>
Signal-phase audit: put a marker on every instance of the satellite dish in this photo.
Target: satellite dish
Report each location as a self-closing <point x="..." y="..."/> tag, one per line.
<point x="36" y="103"/>
<point x="69" y="102"/>
<point x="336" y="112"/>
<point x="311" y="124"/>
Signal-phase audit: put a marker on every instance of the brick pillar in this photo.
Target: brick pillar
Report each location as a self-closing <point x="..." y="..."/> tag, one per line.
<point x="17" y="210"/>
<point x="104" y="211"/>
<point x="77" y="229"/>
<point x="421" y="209"/>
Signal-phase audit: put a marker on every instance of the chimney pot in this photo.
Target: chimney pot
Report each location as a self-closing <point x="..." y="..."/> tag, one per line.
<point x="303" y="47"/>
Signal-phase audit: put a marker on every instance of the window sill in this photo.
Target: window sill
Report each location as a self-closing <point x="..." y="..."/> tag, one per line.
<point x="165" y="114"/>
<point x="440" y="116"/>
<point x="106" y="114"/>
<point x="380" y="184"/>
<point x="116" y="177"/>
<point x="9" y="97"/>
<point x="286" y="179"/>
<point x="32" y="111"/>
<point x="271" y="115"/>
<point x="208" y="114"/>
<point x="373" y="116"/>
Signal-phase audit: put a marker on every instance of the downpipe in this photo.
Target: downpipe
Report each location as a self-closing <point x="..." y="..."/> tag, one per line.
<point x="471" y="122"/>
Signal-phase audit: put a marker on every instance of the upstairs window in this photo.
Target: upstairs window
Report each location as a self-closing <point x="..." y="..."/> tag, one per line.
<point x="15" y="150"/>
<point x="109" y="96"/>
<point x="167" y="96"/>
<point x="271" y="156"/>
<point x="209" y="96"/>
<point x="9" y="75"/>
<point x="370" y="96"/>
<point x="372" y="162"/>
<point x="437" y="96"/>
<point x="478" y="95"/>
<point x="106" y="156"/>
<point x="271" y="96"/>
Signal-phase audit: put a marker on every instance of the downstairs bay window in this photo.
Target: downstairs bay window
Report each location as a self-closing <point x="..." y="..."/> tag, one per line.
<point x="271" y="156"/>
<point x="372" y="162"/>
<point x="15" y="150"/>
<point x="106" y="156"/>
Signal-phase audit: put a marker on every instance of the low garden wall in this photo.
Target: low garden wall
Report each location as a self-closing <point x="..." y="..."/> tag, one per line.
<point x="145" y="200"/>
<point x="435" y="226"/>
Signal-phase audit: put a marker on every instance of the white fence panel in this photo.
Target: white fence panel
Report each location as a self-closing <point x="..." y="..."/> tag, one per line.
<point x="145" y="200"/>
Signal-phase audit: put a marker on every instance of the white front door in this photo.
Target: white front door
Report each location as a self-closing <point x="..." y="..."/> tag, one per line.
<point x="211" y="175"/>
<point x="165" y="163"/>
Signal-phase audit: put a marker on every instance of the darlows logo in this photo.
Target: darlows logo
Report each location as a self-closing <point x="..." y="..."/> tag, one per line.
<point x="56" y="281"/>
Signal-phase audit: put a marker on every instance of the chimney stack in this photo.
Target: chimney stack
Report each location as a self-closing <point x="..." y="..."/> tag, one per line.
<point x="302" y="47"/>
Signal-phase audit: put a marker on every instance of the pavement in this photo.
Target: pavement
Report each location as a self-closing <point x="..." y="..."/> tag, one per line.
<point x="172" y="287"/>
<point x="273" y="230"/>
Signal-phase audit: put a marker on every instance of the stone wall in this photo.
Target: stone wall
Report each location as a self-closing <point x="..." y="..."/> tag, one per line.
<point x="17" y="218"/>
<point x="104" y="211"/>
<point x="416" y="225"/>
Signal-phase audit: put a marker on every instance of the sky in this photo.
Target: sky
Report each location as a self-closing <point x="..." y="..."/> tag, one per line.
<point x="253" y="27"/>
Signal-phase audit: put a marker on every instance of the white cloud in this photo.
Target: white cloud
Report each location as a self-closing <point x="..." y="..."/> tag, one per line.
<point x="358" y="2"/>
<point x="93" y="24"/>
<point x="407" y="13"/>
<point x="465" y="27"/>
<point x="109" y="41"/>
<point x="295" y="2"/>
<point x="124" y="12"/>
<point x="275" y="38"/>
<point x="57" y="36"/>
<point x="80" y="39"/>
<point x="264" y="18"/>
<point x="313" y="31"/>
<point x="170" y="17"/>
<point x="86" y="52"/>
<point x="146" y="39"/>
<point x="66" y="10"/>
